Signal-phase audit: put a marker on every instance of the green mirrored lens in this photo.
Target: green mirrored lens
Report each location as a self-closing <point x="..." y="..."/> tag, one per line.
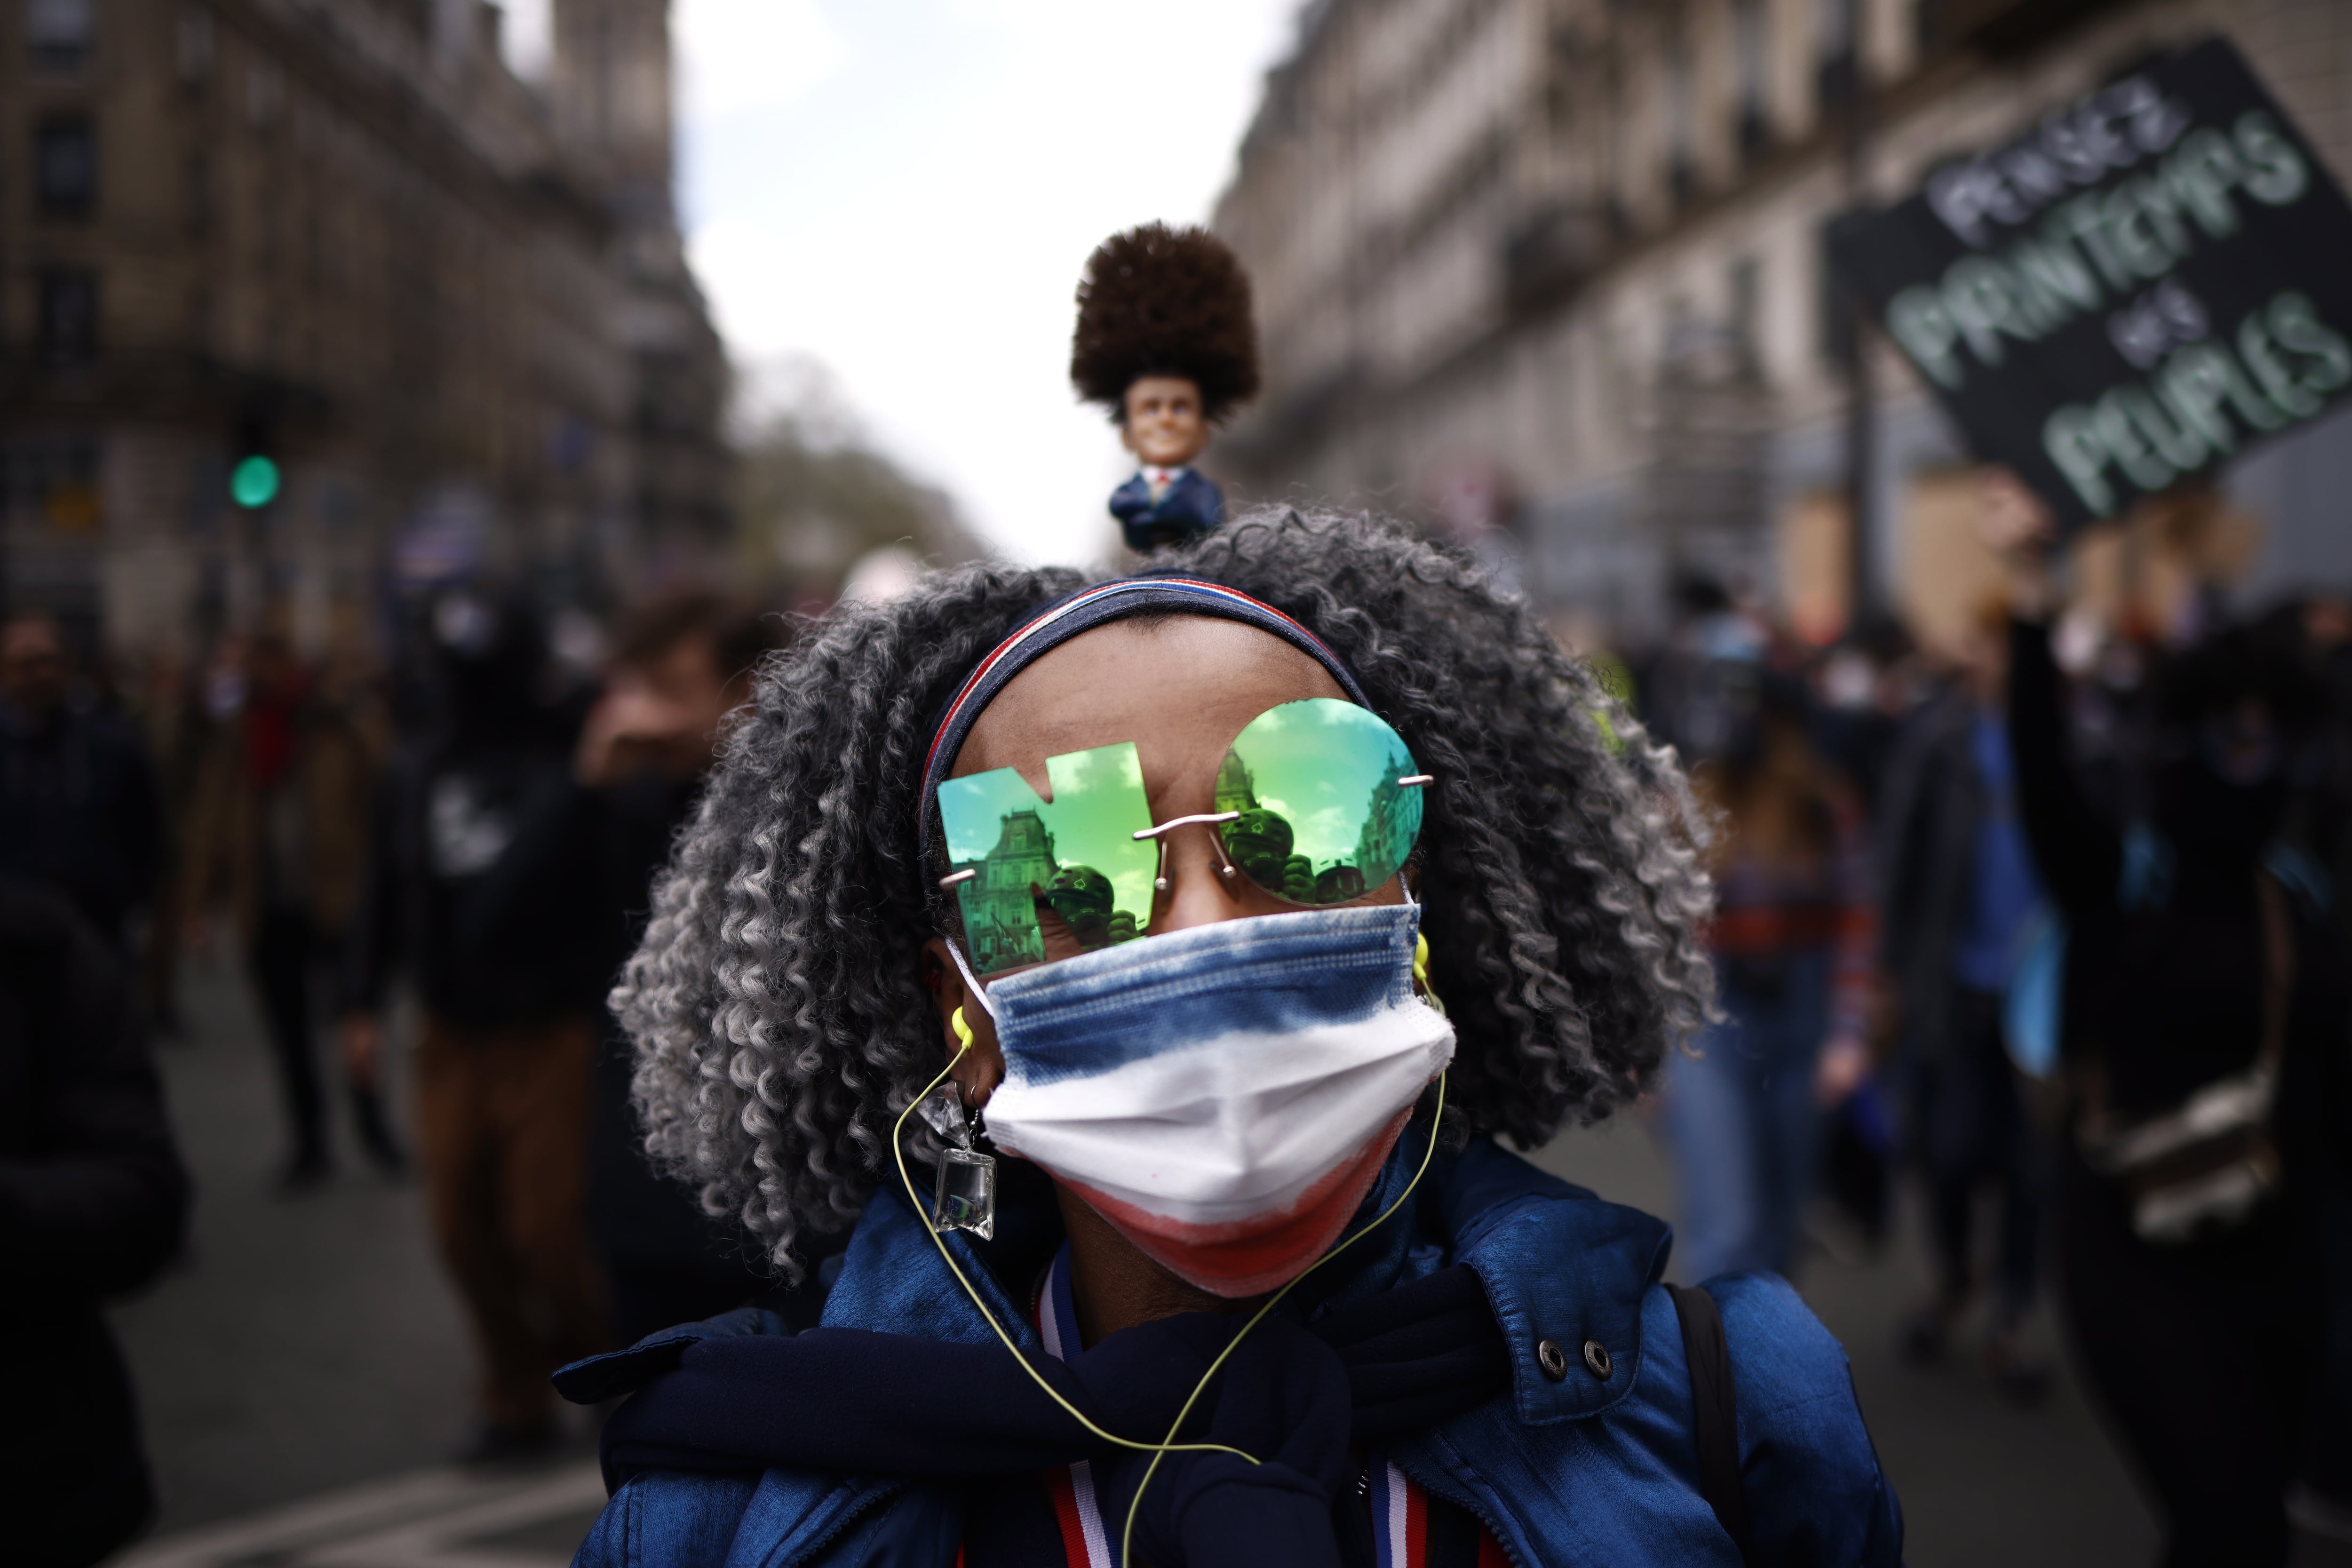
<point x="1077" y="852"/>
<point x="1323" y="816"/>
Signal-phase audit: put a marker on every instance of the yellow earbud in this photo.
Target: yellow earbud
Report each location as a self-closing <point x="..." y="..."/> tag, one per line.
<point x="1421" y="970"/>
<point x="963" y="1030"/>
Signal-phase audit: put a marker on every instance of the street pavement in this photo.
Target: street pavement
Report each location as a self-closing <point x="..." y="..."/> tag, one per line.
<point x="308" y="1355"/>
<point x="304" y="1374"/>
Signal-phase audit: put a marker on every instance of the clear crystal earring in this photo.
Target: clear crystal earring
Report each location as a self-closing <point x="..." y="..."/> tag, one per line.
<point x="965" y="1195"/>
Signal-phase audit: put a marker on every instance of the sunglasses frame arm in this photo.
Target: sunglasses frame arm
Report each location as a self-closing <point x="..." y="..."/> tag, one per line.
<point x="1225" y="867"/>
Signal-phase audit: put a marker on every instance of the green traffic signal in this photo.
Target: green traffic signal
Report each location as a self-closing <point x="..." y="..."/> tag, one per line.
<point x="254" y="482"/>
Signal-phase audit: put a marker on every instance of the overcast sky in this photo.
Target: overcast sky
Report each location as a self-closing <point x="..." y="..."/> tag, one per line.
<point x="907" y="190"/>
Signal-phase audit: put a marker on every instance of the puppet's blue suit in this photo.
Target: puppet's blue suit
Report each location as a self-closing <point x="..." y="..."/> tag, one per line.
<point x="1190" y="505"/>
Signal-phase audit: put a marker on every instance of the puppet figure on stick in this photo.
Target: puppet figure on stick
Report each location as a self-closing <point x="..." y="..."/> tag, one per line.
<point x="1166" y="343"/>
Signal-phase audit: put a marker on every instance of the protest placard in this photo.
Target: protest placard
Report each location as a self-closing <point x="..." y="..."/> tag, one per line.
<point x="2148" y="281"/>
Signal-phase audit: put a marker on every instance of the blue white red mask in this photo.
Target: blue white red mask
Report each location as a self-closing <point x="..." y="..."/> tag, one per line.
<point x="1224" y="1095"/>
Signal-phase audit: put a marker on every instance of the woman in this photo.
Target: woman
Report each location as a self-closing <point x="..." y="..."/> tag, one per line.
<point x="1143" y="867"/>
<point x="2198" y="956"/>
<point x="1792" y="938"/>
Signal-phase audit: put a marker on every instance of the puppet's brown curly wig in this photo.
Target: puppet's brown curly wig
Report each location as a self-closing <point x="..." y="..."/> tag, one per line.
<point x="1165" y="301"/>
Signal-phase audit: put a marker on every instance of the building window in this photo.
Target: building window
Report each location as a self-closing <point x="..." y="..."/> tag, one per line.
<point x="200" y="193"/>
<point x="1939" y="25"/>
<point x="1751" y="63"/>
<point x="1682" y="123"/>
<point x="195" y="43"/>
<point x="265" y="92"/>
<point x="1834" y="57"/>
<point x="1745" y="305"/>
<point x="65" y="166"/>
<point x="68" y="315"/>
<point x="1836" y="318"/>
<point x="60" y="34"/>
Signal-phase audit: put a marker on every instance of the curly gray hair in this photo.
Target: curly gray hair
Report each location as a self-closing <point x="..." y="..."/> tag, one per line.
<point x="776" y="1003"/>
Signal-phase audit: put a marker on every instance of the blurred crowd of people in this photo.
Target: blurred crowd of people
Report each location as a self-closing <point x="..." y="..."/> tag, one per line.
<point x="2062" y="945"/>
<point x="480" y="827"/>
<point x="2065" y="946"/>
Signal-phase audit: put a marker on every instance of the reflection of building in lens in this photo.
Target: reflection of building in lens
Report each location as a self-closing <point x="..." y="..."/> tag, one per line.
<point x="1000" y="905"/>
<point x="1236" y="790"/>
<point x="1000" y="910"/>
<point x="1259" y="840"/>
<point x="1392" y="821"/>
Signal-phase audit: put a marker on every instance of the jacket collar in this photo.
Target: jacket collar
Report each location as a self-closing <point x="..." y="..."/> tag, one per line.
<point x="1560" y="1266"/>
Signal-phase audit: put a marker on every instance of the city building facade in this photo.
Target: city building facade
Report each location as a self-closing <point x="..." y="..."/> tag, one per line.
<point x="445" y="309"/>
<point x="1551" y="273"/>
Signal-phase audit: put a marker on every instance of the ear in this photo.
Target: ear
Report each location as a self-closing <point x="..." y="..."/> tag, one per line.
<point x="982" y="1066"/>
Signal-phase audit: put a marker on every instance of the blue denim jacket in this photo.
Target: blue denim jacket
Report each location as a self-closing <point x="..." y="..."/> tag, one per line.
<point x="1580" y="1470"/>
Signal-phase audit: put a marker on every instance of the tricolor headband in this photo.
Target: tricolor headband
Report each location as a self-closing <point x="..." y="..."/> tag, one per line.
<point x="1055" y="624"/>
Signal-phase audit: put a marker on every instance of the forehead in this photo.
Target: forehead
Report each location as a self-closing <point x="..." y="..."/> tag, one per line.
<point x="1173" y="686"/>
<point x="1162" y="387"/>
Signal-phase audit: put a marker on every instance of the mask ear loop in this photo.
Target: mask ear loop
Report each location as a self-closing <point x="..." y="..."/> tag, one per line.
<point x="972" y="987"/>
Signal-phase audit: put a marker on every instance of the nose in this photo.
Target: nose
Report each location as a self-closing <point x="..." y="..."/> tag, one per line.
<point x="1198" y="892"/>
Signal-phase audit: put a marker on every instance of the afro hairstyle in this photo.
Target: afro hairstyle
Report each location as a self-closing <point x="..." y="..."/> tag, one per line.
<point x="1165" y="301"/>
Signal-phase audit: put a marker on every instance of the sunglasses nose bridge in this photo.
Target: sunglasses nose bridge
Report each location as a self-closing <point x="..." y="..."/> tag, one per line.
<point x="1159" y="834"/>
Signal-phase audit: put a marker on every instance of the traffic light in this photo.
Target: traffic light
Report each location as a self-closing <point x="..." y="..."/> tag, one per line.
<point x="254" y="482"/>
<point x="254" y="477"/>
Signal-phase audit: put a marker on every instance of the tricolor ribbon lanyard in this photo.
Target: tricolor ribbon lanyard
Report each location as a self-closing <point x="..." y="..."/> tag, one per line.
<point x="1400" y="1518"/>
<point x="1084" y="1542"/>
<point x="1399" y="1508"/>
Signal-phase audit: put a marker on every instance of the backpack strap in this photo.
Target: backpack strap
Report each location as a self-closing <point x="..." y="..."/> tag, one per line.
<point x="1715" y="1408"/>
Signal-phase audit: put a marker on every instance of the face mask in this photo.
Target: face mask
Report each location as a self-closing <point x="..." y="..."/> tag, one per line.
<point x="1222" y="1095"/>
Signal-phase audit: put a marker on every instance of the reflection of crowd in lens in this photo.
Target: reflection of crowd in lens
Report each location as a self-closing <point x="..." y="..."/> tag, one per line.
<point x="1259" y="841"/>
<point x="1085" y="899"/>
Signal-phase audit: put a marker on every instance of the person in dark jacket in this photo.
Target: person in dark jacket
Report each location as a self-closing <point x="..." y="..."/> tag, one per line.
<point x="1140" y="870"/>
<point x="1791" y="935"/>
<point x="2321" y="626"/>
<point x="78" y="810"/>
<point x="506" y="956"/>
<point x="277" y="835"/>
<point x="2197" y="952"/>
<point x="680" y="664"/>
<point x="1957" y="895"/>
<point x="93" y="1204"/>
